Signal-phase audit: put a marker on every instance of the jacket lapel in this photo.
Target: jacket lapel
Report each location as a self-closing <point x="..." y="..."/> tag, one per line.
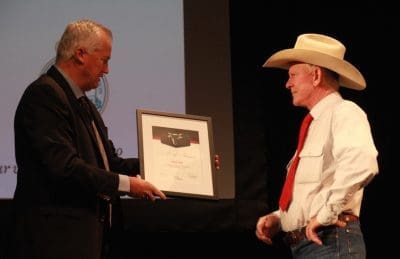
<point x="53" y="72"/>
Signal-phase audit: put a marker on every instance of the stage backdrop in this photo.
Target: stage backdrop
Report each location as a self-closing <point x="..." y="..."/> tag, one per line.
<point x="146" y="68"/>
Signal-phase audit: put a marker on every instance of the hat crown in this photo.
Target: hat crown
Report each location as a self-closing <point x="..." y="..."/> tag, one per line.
<point x="323" y="51"/>
<point x="321" y="43"/>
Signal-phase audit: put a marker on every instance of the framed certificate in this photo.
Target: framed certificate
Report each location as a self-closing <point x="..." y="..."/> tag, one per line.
<point x="176" y="153"/>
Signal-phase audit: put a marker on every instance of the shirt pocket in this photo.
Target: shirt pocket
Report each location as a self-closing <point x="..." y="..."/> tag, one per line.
<point x="310" y="165"/>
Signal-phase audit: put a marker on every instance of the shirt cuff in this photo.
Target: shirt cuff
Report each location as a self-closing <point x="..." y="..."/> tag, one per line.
<point x="124" y="183"/>
<point x="277" y="213"/>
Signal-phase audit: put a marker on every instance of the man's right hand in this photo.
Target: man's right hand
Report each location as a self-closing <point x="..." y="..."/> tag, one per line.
<point x="267" y="227"/>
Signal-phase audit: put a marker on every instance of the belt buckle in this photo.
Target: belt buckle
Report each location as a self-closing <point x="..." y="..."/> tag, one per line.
<point x="294" y="239"/>
<point x="295" y="236"/>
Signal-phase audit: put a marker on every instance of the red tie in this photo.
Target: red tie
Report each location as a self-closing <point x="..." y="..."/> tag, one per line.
<point x="286" y="195"/>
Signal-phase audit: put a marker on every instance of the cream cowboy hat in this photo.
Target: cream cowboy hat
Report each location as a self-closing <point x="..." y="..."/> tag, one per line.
<point x="320" y="50"/>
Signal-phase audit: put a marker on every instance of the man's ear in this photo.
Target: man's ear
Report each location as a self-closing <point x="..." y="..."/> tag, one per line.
<point x="79" y="55"/>
<point x="317" y="77"/>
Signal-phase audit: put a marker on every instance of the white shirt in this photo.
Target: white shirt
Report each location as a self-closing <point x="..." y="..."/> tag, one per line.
<point x="338" y="159"/>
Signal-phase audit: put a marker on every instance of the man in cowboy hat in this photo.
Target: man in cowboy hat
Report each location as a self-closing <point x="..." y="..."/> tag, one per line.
<point x="321" y="200"/>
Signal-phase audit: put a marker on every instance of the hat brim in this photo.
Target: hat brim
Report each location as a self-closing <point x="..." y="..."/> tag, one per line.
<point x="349" y="76"/>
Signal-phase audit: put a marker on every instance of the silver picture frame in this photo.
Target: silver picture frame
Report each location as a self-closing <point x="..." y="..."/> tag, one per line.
<point x="176" y="153"/>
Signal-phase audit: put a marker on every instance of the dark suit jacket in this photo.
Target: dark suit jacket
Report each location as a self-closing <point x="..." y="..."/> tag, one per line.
<point x="60" y="173"/>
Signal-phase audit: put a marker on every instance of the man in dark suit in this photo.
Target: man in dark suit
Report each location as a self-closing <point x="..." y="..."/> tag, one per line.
<point x="69" y="174"/>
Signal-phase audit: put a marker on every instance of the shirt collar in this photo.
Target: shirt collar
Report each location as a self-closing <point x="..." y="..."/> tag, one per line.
<point x="325" y="103"/>
<point x="75" y="89"/>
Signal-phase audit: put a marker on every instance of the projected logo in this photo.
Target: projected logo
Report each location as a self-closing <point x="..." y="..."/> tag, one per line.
<point x="98" y="96"/>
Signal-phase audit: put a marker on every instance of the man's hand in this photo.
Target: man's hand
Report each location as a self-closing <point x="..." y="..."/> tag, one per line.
<point x="267" y="227"/>
<point x="143" y="189"/>
<point x="312" y="228"/>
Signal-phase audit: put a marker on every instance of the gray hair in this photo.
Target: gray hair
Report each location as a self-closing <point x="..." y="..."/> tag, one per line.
<point x="80" y="34"/>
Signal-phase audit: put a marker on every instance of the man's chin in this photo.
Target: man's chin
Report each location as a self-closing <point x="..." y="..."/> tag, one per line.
<point x="94" y="86"/>
<point x="87" y="88"/>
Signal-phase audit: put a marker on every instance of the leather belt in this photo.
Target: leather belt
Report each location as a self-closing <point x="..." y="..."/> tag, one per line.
<point x="294" y="237"/>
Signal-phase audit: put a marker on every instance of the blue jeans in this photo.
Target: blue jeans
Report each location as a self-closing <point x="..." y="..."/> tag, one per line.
<point x="343" y="243"/>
